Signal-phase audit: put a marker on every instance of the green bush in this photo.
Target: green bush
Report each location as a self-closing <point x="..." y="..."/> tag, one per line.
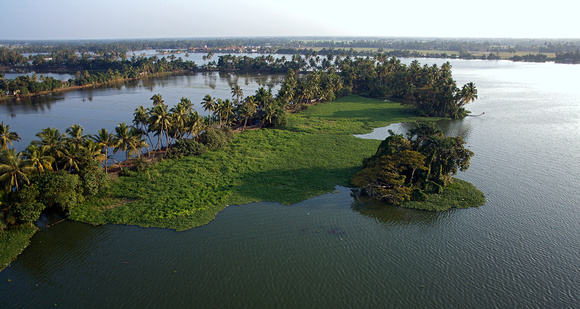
<point x="281" y="118"/>
<point x="60" y="189"/>
<point x="140" y="164"/>
<point x="186" y="147"/>
<point x="29" y="212"/>
<point x="431" y="186"/>
<point x="228" y="134"/>
<point x="214" y="139"/>
<point x="418" y="195"/>
<point x="94" y="181"/>
<point x="125" y="172"/>
<point x="27" y="203"/>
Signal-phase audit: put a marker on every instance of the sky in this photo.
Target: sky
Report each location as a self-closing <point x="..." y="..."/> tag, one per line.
<point x="135" y="19"/>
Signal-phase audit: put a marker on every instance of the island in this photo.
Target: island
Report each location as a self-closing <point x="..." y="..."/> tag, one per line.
<point x="181" y="168"/>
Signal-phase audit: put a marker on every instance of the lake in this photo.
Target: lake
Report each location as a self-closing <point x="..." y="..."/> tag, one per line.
<point x="521" y="249"/>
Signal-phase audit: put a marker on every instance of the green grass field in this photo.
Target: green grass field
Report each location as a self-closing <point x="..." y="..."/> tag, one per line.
<point x="316" y="152"/>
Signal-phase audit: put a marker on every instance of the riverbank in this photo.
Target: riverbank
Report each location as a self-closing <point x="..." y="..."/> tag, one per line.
<point x="311" y="156"/>
<point x="92" y="85"/>
<point x="13" y="242"/>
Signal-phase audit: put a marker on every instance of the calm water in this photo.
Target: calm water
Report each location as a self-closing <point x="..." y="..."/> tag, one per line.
<point x="97" y="108"/>
<point x="521" y="249"/>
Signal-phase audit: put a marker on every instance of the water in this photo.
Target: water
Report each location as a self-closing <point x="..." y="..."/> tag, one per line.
<point x="521" y="249"/>
<point x="96" y="108"/>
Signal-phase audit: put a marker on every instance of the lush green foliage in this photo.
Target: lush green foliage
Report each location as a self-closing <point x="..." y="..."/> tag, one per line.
<point x="403" y="167"/>
<point x="458" y="194"/>
<point x="13" y="241"/>
<point x="315" y="153"/>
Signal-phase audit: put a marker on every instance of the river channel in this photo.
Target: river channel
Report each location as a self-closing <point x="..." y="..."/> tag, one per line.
<point x="520" y="249"/>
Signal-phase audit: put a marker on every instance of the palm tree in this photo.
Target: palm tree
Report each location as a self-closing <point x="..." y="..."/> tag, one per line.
<point x="157" y="99"/>
<point x="122" y="139"/>
<point x="71" y="157"/>
<point x="93" y="151"/>
<point x="75" y="133"/>
<point x="51" y="143"/>
<point x="194" y="125"/>
<point x="248" y="109"/>
<point x="237" y="92"/>
<point x="209" y="103"/>
<point x="13" y="169"/>
<point x="136" y="143"/>
<point x="159" y="123"/>
<point x="179" y="115"/>
<point x="36" y="158"/>
<point x="141" y="120"/>
<point x="106" y="140"/>
<point x="226" y="111"/>
<point x="7" y="137"/>
<point x="468" y="94"/>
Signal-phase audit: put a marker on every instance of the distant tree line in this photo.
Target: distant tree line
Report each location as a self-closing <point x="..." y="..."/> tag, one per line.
<point x="88" y="71"/>
<point x="271" y="44"/>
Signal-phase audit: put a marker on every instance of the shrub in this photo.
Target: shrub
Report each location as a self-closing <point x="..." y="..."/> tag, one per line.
<point x="418" y="195"/>
<point x="213" y="139"/>
<point x="141" y="164"/>
<point x="29" y="212"/>
<point x="60" y="189"/>
<point x="93" y="181"/>
<point x="431" y="186"/>
<point x="186" y="147"/>
<point x="228" y="134"/>
<point x="125" y="172"/>
<point x="281" y="118"/>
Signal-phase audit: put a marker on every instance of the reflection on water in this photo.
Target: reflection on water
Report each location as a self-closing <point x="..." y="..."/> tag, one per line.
<point x="376" y="210"/>
<point x="107" y="106"/>
<point x="450" y="128"/>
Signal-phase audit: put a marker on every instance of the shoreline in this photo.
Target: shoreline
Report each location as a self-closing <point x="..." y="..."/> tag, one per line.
<point x="93" y="85"/>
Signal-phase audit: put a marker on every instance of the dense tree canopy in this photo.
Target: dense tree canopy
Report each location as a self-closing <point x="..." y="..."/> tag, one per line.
<point x="424" y="160"/>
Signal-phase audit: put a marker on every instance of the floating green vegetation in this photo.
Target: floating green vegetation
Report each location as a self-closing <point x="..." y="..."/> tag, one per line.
<point x="458" y="194"/>
<point x="314" y="153"/>
<point x="13" y="241"/>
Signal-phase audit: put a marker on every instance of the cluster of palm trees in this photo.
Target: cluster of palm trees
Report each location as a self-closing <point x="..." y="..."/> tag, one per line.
<point x="71" y="151"/>
<point x="168" y="125"/>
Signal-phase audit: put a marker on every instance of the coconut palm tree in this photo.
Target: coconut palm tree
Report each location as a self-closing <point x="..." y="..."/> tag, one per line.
<point x="7" y="137"/>
<point x="248" y="109"/>
<point x="106" y="140"/>
<point x="51" y="143"/>
<point x="160" y="122"/>
<point x="237" y="92"/>
<point x="136" y="143"/>
<point x="92" y="150"/>
<point x="195" y="124"/>
<point x="123" y="139"/>
<point x="157" y="99"/>
<point x="36" y="158"/>
<point x="468" y="94"/>
<point x="179" y="114"/>
<point x="13" y="169"/>
<point x="75" y="133"/>
<point x="72" y="157"/>
<point x="209" y="103"/>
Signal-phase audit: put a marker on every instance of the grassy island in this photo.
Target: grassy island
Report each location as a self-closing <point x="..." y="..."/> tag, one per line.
<point x="316" y="152"/>
<point x="300" y="145"/>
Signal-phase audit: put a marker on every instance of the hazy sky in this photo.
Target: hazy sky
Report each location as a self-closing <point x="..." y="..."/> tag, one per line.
<point x="121" y="19"/>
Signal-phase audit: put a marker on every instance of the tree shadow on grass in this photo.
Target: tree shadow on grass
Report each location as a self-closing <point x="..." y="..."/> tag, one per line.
<point x="291" y="186"/>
